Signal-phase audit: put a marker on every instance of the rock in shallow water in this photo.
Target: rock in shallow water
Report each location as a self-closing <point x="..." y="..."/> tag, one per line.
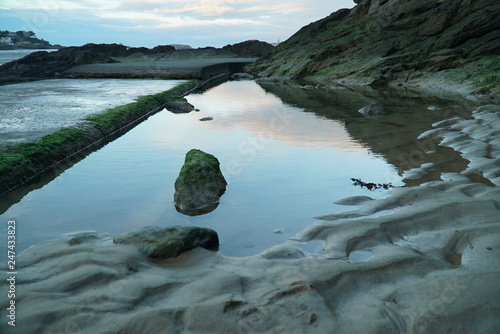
<point x="242" y="76"/>
<point x="200" y="184"/>
<point x="167" y="242"/>
<point x="374" y="109"/>
<point x="179" y="104"/>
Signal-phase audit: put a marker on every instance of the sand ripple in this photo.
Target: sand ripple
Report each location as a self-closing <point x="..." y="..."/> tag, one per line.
<point x="425" y="259"/>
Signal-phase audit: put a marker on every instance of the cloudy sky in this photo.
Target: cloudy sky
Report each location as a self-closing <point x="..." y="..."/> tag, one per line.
<point x="154" y="22"/>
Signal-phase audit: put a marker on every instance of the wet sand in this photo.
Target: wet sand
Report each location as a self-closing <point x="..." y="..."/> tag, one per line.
<point x="425" y="259"/>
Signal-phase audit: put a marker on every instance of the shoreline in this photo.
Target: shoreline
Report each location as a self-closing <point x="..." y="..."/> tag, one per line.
<point x="425" y="85"/>
<point x="32" y="47"/>
<point x="22" y="163"/>
<point x="430" y="264"/>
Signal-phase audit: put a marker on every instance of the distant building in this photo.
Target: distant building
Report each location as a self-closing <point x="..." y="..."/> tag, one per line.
<point x="5" y="40"/>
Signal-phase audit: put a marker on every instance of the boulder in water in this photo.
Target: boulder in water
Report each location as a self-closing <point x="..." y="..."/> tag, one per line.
<point x="178" y="104"/>
<point x="167" y="242"/>
<point x="200" y="184"/>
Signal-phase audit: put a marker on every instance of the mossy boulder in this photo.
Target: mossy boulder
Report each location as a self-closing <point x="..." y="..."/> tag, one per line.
<point x="179" y="104"/>
<point x="168" y="242"/>
<point x="200" y="184"/>
<point x="82" y="238"/>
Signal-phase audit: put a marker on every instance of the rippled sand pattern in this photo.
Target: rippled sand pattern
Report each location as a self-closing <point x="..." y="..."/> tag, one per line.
<point x="433" y="267"/>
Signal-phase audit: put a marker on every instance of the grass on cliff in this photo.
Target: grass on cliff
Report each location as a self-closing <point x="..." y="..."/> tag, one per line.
<point x="312" y="53"/>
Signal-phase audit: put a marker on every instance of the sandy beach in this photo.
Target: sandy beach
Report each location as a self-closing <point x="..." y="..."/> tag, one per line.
<point x="424" y="259"/>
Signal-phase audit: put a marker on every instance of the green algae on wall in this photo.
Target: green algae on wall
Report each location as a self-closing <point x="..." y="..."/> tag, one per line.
<point x="21" y="162"/>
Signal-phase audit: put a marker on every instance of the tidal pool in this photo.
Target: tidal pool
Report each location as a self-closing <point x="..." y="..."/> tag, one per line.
<point x="287" y="154"/>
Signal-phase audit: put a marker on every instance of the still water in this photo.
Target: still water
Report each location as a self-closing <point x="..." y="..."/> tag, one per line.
<point x="30" y="110"/>
<point x="286" y="153"/>
<point x="10" y="55"/>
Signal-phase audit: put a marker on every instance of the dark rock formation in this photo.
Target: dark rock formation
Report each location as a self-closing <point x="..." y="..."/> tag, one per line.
<point x="167" y="242"/>
<point x="396" y="41"/>
<point x="43" y="64"/>
<point x="111" y="50"/>
<point x="252" y="48"/>
<point x="162" y="49"/>
<point x="200" y="184"/>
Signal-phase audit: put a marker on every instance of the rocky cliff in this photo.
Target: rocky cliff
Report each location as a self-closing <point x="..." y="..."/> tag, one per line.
<point x="45" y="65"/>
<point x="452" y="44"/>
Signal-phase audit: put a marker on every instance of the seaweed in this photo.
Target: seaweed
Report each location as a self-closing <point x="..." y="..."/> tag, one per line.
<point x="371" y="186"/>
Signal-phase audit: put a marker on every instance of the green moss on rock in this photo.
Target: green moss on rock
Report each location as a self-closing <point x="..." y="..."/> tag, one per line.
<point x="179" y="104"/>
<point x="83" y="237"/>
<point x="200" y="183"/>
<point x="21" y="162"/>
<point x="163" y="243"/>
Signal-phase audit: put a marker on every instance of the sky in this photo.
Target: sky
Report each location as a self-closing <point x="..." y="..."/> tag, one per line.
<point x="148" y="23"/>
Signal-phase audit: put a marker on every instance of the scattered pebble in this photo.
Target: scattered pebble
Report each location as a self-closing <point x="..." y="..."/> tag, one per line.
<point x="312" y="318"/>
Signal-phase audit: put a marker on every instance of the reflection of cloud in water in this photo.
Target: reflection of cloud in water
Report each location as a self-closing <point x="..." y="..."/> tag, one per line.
<point x="244" y="110"/>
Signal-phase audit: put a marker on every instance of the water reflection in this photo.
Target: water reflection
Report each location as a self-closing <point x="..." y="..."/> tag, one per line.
<point x="392" y="136"/>
<point x="28" y="111"/>
<point x="286" y="153"/>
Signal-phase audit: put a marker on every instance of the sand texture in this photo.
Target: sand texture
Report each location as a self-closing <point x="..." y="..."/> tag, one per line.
<point x="425" y="259"/>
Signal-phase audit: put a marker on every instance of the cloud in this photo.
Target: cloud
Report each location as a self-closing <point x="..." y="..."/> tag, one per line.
<point x="283" y="8"/>
<point x="180" y="22"/>
<point x="192" y="21"/>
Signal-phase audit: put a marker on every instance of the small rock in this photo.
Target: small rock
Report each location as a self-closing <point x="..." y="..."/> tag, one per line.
<point x="206" y="119"/>
<point x="312" y="318"/>
<point x="167" y="242"/>
<point x="353" y="200"/>
<point x="179" y="104"/>
<point x="82" y="237"/>
<point x="278" y="231"/>
<point x="242" y="76"/>
<point x="433" y="108"/>
<point x="374" y="109"/>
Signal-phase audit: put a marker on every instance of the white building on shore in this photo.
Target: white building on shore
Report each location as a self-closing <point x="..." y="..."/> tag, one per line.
<point x="6" y="40"/>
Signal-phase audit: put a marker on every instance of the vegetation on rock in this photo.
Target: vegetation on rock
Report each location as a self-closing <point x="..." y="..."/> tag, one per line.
<point x="415" y="42"/>
<point x="200" y="183"/>
<point x="20" y="162"/>
<point x="163" y="243"/>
